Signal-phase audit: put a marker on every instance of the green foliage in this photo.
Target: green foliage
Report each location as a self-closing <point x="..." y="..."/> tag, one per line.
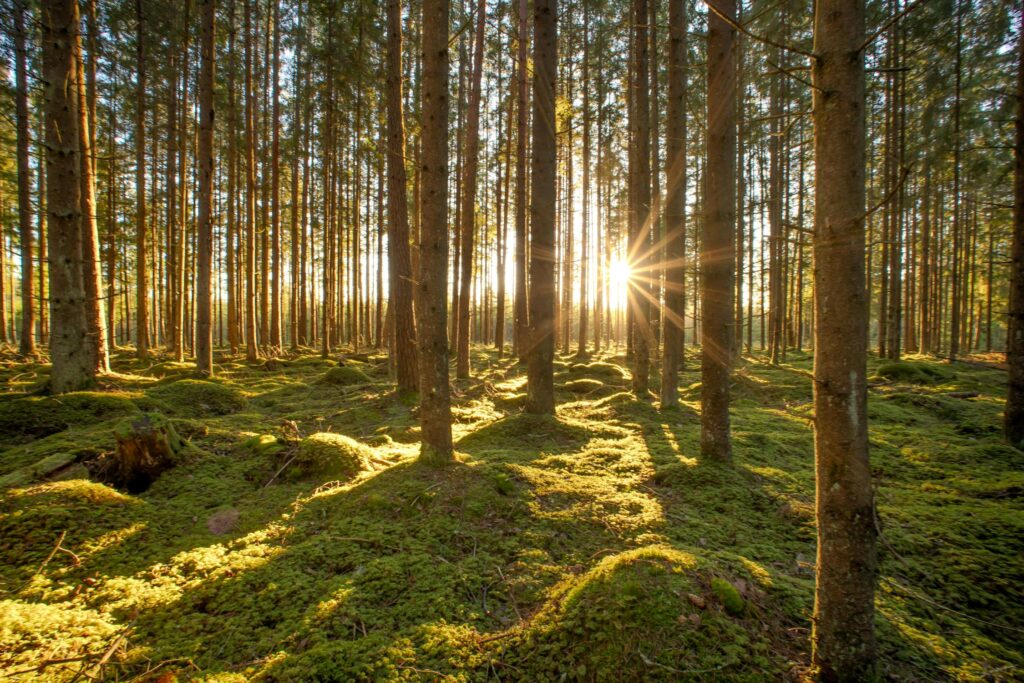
<point x="728" y="596"/>
<point x="199" y="398"/>
<point x="31" y="417"/>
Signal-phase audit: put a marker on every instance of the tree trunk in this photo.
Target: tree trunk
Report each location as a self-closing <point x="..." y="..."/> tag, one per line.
<point x="251" y="351"/>
<point x="26" y="343"/>
<point x="275" y="186"/>
<point x="520" y="312"/>
<point x="204" y="227"/>
<point x="1014" y="419"/>
<point x="540" y="397"/>
<point x="718" y="236"/>
<point x="431" y="306"/>
<point x="470" y="162"/>
<point x="843" y="638"/>
<point x="141" y="299"/>
<point x="675" y="205"/>
<point x="69" y="344"/>
<point x="400" y="275"/>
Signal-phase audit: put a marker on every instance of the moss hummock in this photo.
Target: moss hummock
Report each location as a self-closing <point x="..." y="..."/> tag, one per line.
<point x="330" y="455"/>
<point x="344" y="375"/>
<point x="199" y="398"/>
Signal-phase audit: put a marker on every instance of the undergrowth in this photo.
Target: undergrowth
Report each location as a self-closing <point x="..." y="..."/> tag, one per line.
<point x="301" y="541"/>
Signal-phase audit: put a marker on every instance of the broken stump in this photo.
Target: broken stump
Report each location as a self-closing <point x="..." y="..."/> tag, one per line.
<point x="146" y="446"/>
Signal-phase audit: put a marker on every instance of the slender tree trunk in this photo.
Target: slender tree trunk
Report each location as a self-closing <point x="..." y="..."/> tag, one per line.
<point x="275" y="185"/>
<point x="540" y="397"/>
<point x="251" y="351"/>
<point x="73" y="368"/>
<point x="718" y="236"/>
<point x="1014" y="419"/>
<point x="521" y="313"/>
<point x="957" y="275"/>
<point x="400" y="276"/>
<point x="675" y="205"/>
<point x="204" y="228"/>
<point x="640" y="228"/>
<point x="843" y="637"/>
<point x="141" y="286"/>
<point x="585" y="190"/>
<point x="470" y="162"/>
<point x="26" y="343"/>
<point x="431" y="305"/>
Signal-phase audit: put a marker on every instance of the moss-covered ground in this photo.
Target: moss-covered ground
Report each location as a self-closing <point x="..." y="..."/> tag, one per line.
<point x="595" y="546"/>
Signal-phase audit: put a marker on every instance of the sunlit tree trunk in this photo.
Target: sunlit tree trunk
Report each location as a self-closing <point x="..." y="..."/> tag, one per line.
<point x="251" y="351"/>
<point x="1014" y="418"/>
<point x="521" y="311"/>
<point x="26" y="342"/>
<point x="204" y="227"/>
<point x="141" y="286"/>
<point x="540" y="397"/>
<point x="431" y="305"/>
<point x="640" y="227"/>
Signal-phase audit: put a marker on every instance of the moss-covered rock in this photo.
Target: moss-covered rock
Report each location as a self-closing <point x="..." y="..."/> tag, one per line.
<point x="914" y="373"/>
<point x="330" y="455"/>
<point x="171" y="369"/>
<point x="730" y="598"/>
<point x="344" y="375"/>
<point x="31" y="417"/>
<point x="199" y="398"/>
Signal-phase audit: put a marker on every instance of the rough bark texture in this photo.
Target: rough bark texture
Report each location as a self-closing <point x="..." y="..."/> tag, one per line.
<point x="400" y="274"/>
<point x="719" y="231"/>
<point x="251" y="351"/>
<point x="471" y="164"/>
<point x="540" y="396"/>
<point x="72" y="369"/>
<point x="26" y="343"/>
<point x="640" y="225"/>
<point x="675" y="204"/>
<point x="431" y="306"/>
<point x="146" y="446"/>
<point x="520" y="309"/>
<point x="1014" y="425"/>
<point x="204" y="226"/>
<point x="843" y="637"/>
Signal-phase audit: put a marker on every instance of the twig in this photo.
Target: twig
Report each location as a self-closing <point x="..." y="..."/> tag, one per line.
<point x="279" y="471"/>
<point x="892" y="20"/>
<point x="732" y="23"/>
<point x="650" y="662"/>
<point x="45" y="562"/>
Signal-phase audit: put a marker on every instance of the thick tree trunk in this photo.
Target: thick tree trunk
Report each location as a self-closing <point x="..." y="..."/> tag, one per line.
<point x="675" y="205"/>
<point x="26" y="343"/>
<point x="540" y="397"/>
<point x="400" y="276"/>
<point x="251" y="350"/>
<point x="69" y="345"/>
<point x="431" y="305"/>
<point x="843" y="637"/>
<point x="275" y="186"/>
<point x="471" y="162"/>
<point x="204" y="227"/>
<point x="1014" y="419"/>
<point x="719" y="231"/>
<point x="640" y="225"/>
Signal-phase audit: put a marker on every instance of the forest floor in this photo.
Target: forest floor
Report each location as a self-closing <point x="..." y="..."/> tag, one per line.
<point x="594" y="546"/>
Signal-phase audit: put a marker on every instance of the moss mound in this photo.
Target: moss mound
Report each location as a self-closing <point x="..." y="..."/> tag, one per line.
<point x="644" y="614"/>
<point x="330" y="455"/>
<point x="608" y="373"/>
<point x="344" y="375"/>
<point x="31" y="417"/>
<point x="588" y="387"/>
<point x="914" y="373"/>
<point x="171" y="369"/>
<point x="199" y="398"/>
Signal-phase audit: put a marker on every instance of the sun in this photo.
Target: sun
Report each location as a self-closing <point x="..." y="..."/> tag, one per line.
<point x="620" y="274"/>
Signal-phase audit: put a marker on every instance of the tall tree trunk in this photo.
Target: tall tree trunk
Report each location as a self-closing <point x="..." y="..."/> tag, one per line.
<point x="275" y="185"/>
<point x="73" y="368"/>
<point x="843" y="638"/>
<point x="470" y="162"/>
<point x="1014" y="419"/>
<point x="141" y="286"/>
<point x="640" y="226"/>
<point x="718" y="236"/>
<point x="540" y="396"/>
<point x="431" y="305"/>
<point x="521" y="311"/>
<point x="26" y="343"/>
<point x="204" y="227"/>
<point x="957" y="275"/>
<point x="400" y="275"/>
<point x="675" y="205"/>
<point x="251" y="351"/>
<point x="585" y="190"/>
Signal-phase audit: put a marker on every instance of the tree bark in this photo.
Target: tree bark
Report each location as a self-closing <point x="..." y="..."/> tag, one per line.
<point x="640" y="225"/>
<point x="251" y="350"/>
<point x="69" y="345"/>
<point x="400" y="275"/>
<point x="540" y="396"/>
<point x="718" y="237"/>
<point x="843" y="637"/>
<point x="141" y="299"/>
<point x="26" y="342"/>
<point x="204" y="227"/>
<point x="1014" y="418"/>
<point x="521" y="310"/>
<point x="431" y="306"/>
<point x="675" y="205"/>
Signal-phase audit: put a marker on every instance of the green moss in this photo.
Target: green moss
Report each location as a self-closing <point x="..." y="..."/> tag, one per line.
<point x="199" y="398"/>
<point x="331" y="455"/>
<point x="914" y="372"/>
<point x="729" y="597"/>
<point x="30" y="417"/>
<point x="344" y="375"/>
<point x="171" y="369"/>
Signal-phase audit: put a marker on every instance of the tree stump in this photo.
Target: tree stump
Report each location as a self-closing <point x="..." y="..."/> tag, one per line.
<point x="146" y="446"/>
